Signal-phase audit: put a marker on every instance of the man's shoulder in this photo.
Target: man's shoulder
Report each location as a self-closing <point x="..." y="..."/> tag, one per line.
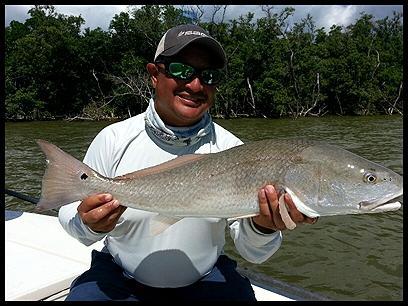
<point x="224" y="138"/>
<point x="109" y="141"/>
<point x="220" y="131"/>
<point x="132" y="125"/>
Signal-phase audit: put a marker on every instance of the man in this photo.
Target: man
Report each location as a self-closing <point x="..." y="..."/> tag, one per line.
<point x="186" y="261"/>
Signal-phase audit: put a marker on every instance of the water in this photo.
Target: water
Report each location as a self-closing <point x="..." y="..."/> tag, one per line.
<point x="355" y="257"/>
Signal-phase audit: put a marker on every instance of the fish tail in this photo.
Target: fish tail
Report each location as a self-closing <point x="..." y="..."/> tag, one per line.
<point x="62" y="182"/>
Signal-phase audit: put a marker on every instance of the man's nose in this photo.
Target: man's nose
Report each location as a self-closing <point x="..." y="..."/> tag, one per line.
<point x="195" y="85"/>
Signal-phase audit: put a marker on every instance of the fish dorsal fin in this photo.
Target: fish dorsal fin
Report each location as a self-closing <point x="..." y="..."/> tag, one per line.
<point x="160" y="223"/>
<point x="174" y="163"/>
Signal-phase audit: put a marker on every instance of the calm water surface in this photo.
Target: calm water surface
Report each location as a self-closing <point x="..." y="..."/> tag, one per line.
<point x="343" y="257"/>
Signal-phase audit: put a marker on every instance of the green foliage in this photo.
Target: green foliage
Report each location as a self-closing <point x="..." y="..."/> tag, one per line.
<point x="24" y="104"/>
<point x="275" y="67"/>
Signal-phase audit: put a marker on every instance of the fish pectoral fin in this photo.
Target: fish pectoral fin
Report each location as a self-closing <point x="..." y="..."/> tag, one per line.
<point x="232" y="219"/>
<point x="283" y="210"/>
<point x="160" y="223"/>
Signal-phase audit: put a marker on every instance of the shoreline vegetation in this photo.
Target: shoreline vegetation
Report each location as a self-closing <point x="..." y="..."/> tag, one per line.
<point x="276" y="68"/>
<point x="120" y="118"/>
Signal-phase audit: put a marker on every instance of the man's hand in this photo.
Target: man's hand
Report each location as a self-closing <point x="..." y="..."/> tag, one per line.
<point x="100" y="212"/>
<point x="269" y="219"/>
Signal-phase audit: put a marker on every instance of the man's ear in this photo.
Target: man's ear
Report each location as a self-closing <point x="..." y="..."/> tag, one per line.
<point x="153" y="72"/>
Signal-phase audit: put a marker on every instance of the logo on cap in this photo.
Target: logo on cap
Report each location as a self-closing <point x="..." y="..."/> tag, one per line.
<point x="181" y="33"/>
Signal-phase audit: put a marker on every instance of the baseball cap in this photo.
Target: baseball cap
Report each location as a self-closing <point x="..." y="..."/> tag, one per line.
<point x="178" y="37"/>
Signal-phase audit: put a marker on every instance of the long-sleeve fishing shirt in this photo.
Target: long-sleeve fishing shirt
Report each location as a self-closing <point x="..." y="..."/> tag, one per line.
<point x="188" y="249"/>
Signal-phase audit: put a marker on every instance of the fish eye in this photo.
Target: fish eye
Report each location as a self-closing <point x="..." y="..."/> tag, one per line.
<point x="370" y="177"/>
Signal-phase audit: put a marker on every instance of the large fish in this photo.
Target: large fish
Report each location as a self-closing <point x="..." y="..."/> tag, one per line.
<point x="322" y="180"/>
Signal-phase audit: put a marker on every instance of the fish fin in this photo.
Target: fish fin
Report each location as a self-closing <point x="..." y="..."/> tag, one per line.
<point x="241" y="217"/>
<point x="284" y="214"/>
<point x="61" y="183"/>
<point x="174" y="163"/>
<point x="160" y="223"/>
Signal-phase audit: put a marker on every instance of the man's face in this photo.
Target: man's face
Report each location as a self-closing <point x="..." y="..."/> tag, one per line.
<point x="178" y="102"/>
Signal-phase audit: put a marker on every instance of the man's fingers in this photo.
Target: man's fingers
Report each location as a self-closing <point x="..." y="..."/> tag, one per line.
<point x="94" y="201"/>
<point x="272" y="196"/>
<point x="108" y="223"/>
<point x="114" y="217"/>
<point x="309" y="220"/>
<point x="294" y="213"/>
<point x="263" y="204"/>
<point x="269" y="212"/>
<point x="97" y="214"/>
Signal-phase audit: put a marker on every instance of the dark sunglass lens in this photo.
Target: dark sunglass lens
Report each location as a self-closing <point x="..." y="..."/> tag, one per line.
<point x="181" y="71"/>
<point x="211" y="76"/>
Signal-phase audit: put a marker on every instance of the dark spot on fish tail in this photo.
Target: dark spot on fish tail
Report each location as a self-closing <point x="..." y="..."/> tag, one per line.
<point x="84" y="176"/>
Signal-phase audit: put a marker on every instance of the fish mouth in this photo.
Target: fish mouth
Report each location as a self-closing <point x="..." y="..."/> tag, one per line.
<point x="386" y="203"/>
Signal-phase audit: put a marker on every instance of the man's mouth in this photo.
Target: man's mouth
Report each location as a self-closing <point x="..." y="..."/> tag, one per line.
<point x="191" y="99"/>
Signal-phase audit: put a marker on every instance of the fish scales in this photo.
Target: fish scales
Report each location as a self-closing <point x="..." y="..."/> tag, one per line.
<point x="224" y="184"/>
<point x="322" y="179"/>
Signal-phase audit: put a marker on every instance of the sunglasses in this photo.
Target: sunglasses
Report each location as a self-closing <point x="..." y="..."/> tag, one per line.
<point x="187" y="73"/>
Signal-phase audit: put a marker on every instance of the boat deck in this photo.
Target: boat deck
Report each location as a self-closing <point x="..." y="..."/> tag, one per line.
<point x="42" y="260"/>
